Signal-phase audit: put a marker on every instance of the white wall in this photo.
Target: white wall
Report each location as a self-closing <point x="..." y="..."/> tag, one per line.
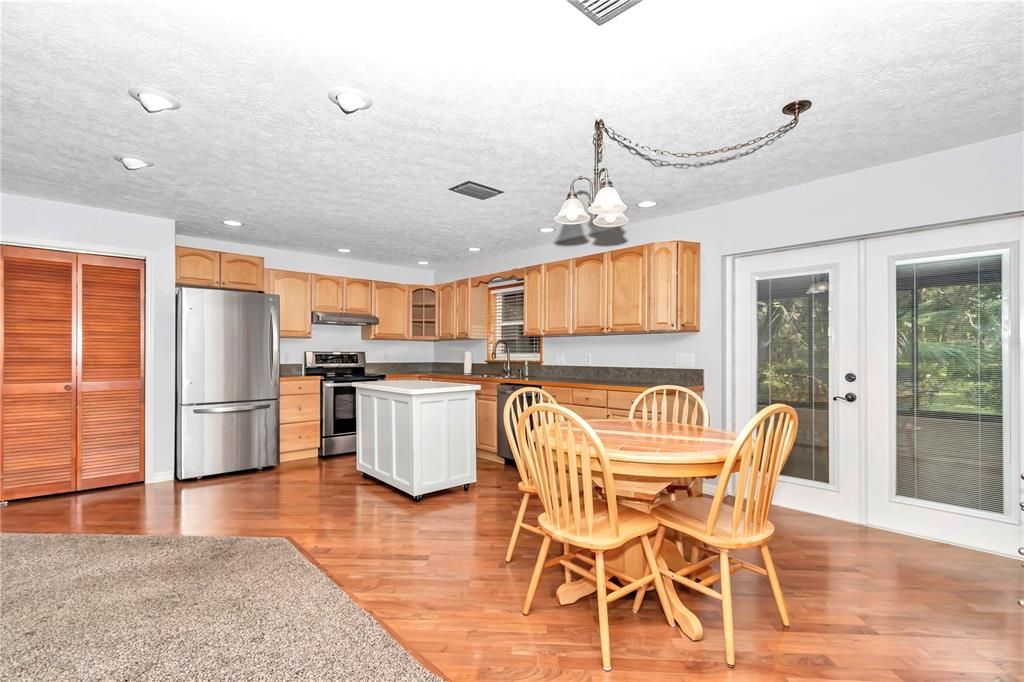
<point x="329" y="337"/>
<point x="986" y="178"/>
<point x="50" y="224"/>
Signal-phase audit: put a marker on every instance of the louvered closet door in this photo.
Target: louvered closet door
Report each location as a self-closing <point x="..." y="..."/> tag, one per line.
<point x="111" y="385"/>
<point x="37" y="422"/>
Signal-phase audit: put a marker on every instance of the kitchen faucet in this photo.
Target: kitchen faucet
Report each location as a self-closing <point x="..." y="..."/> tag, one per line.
<point x="508" y="356"/>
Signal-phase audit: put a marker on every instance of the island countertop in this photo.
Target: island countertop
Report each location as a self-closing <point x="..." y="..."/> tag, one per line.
<point x="415" y="387"/>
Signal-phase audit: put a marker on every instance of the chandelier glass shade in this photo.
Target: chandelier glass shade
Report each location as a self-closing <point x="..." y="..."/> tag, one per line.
<point x="610" y="220"/>
<point x="572" y="212"/>
<point x="607" y="201"/>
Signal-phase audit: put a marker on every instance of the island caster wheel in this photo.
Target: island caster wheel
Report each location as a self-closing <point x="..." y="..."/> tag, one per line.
<point x="417" y="498"/>
<point x="465" y="486"/>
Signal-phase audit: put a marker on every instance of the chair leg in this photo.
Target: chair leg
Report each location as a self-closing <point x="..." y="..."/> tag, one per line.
<point x="566" y="547"/>
<point x="602" y="612"/>
<point x="538" y="568"/>
<point x="730" y="645"/>
<point x="773" y="578"/>
<point x="518" y="527"/>
<point x="659" y="585"/>
<point x="638" y="600"/>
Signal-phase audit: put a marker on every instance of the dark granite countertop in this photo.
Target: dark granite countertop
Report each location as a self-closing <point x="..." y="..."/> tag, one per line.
<point x="640" y="377"/>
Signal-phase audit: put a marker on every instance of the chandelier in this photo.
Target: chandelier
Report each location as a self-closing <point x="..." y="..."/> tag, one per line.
<point x="606" y="207"/>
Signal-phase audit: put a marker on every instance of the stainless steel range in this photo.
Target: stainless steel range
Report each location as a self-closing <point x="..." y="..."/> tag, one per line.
<point x="340" y="371"/>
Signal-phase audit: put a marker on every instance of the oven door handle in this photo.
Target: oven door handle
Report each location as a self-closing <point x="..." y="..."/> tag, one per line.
<point x="333" y="384"/>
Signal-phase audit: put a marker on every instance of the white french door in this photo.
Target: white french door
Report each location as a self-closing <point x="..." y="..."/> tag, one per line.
<point x="901" y="355"/>
<point x="942" y="449"/>
<point x="796" y="329"/>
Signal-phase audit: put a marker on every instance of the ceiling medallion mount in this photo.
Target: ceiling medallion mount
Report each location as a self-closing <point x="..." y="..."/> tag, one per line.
<point x="607" y="209"/>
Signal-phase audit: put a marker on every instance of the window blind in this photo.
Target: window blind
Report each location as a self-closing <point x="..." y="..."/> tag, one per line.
<point x="508" y="324"/>
<point x="949" y="381"/>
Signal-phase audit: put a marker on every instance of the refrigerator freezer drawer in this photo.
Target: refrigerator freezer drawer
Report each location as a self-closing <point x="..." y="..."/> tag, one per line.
<point x="218" y="438"/>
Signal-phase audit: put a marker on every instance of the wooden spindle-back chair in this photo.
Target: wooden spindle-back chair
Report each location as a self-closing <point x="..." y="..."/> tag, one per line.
<point x="515" y="405"/>
<point x="565" y="459"/>
<point x="676" y="404"/>
<point x="755" y="461"/>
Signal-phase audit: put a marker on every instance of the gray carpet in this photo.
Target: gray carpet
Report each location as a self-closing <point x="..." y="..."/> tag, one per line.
<point x="116" y="607"/>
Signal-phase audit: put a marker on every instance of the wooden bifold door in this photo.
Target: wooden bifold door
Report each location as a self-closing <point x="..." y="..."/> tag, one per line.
<point x="71" y="362"/>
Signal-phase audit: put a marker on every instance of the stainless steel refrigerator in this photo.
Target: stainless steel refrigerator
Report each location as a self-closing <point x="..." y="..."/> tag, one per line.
<point x="227" y="381"/>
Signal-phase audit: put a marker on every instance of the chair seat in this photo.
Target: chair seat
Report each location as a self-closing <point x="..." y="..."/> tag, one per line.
<point x="632" y="524"/>
<point x="690" y="516"/>
<point x="527" y="488"/>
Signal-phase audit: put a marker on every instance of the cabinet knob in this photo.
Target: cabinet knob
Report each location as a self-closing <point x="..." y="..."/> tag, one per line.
<point x="67" y="387"/>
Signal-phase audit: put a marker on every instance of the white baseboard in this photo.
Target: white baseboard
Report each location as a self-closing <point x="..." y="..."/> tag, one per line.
<point x="160" y="477"/>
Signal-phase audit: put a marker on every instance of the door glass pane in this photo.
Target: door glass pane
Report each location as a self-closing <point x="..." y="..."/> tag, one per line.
<point x="793" y="364"/>
<point x="949" y="381"/>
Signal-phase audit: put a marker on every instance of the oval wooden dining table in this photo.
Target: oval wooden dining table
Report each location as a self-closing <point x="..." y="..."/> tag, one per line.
<point x="649" y="460"/>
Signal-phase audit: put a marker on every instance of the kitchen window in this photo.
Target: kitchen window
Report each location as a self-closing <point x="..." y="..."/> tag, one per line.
<point x="507" y="326"/>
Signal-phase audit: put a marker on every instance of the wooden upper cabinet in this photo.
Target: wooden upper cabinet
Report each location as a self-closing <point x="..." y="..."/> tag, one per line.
<point x="111" y="386"/>
<point x="423" y="313"/>
<point x="446" y="311"/>
<point x="462" y="306"/>
<point x="38" y="289"/>
<point x="533" y="301"/>
<point x="662" y="287"/>
<point x="558" y="297"/>
<point x="589" y="291"/>
<point x="241" y="272"/>
<point x="328" y="294"/>
<point x="203" y="268"/>
<point x="471" y="309"/>
<point x="295" y="292"/>
<point x="627" y="300"/>
<point x="197" y="267"/>
<point x="391" y="306"/>
<point x="357" y="296"/>
<point x="688" y="313"/>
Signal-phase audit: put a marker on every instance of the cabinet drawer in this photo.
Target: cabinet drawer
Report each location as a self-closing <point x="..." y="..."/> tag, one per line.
<point x="561" y="394"/>
<point x="621" y="400"/>
<point x="617" y="413"/>
<point x="589" y="396"/>
<point x="300" y="386"/>
<point x="588" y="412"/>
<point x="300" y="408"/>
<point x="300" y="436"/>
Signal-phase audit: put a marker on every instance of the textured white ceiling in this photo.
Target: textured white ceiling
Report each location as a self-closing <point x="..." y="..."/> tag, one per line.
<point x="501" y="93"/>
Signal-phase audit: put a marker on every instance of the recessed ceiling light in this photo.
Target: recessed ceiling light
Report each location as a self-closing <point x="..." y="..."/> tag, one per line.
<point x="132" y="162"/>
<point x="473" y="249"/>
<point x="344" y="250"/>
<point x="647" y="204"/>
<point x="350" y="100"/>
<point x="546" y="229"/>
<point x="422" y="262"/>
<point x="152" y="100"/>
<point x="232" y="223"/>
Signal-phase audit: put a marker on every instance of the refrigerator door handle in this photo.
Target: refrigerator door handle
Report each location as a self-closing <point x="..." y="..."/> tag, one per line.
<point x="274" y="334"/>
<point x="231" y="408"/>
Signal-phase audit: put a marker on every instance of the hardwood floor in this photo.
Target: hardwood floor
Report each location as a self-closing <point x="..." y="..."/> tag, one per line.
<point x="864" y="604"/>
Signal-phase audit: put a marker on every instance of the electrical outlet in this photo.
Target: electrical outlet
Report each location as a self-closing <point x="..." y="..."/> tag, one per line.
<point x="560" y="359"/>
<point x="686" y="360"/>
<point x="590" y="358"/>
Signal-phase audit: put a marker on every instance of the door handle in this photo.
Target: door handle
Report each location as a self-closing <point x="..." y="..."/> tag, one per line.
<point x="849" y="397"/>
<point x="231" y="408"/>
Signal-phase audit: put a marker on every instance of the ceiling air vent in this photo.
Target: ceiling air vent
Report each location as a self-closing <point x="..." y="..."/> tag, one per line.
<point x="475" y="190"/>
<point x="603" y="11"/>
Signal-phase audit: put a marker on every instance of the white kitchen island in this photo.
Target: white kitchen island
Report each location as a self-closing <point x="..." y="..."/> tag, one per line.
<point x="417" y="436"/>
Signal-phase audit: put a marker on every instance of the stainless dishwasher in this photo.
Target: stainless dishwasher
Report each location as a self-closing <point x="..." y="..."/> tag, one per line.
<point x="504" y="391"/>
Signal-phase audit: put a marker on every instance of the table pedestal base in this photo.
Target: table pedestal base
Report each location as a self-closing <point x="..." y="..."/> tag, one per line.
<point x="630" y="560"/>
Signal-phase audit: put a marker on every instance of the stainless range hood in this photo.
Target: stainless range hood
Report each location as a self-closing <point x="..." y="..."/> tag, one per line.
<point x="353" y="319"/>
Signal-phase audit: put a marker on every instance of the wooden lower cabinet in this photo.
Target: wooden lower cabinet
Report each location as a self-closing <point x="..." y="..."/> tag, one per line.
<point x="300" y="418"/>
<point x="487" y="423"/>
<point x="72" y="418"/>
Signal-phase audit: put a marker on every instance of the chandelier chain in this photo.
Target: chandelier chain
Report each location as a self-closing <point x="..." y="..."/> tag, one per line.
<point x="758" y="142"/>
